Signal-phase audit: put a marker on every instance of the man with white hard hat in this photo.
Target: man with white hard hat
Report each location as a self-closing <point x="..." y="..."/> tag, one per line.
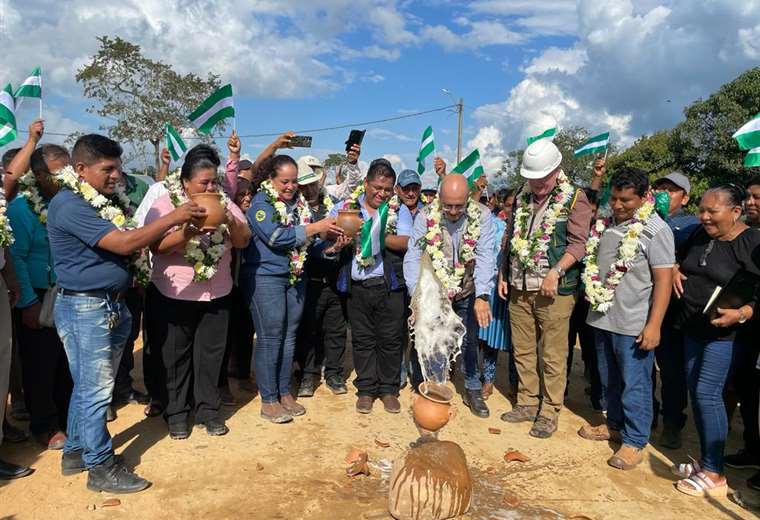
<point x="541" y="276"/>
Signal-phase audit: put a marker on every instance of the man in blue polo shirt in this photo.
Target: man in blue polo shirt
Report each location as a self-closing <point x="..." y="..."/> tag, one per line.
<point x="90" y="259"/>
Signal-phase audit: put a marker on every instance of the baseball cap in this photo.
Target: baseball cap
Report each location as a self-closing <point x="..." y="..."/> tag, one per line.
<point x="245" y="164"/>
<point x="677" y="178"/>
<point x="309" y="170"/>
<point x="407" y="177"/>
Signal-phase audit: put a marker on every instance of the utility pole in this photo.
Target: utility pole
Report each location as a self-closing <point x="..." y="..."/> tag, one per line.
<point x="460" y="113"/>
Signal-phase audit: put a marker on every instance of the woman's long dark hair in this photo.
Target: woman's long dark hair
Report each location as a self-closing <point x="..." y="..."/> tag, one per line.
<point x="199" y="157"/>
<point x="269" y="168"/>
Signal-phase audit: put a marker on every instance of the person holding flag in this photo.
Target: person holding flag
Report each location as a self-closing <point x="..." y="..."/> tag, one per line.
<point x="372" y="276"/>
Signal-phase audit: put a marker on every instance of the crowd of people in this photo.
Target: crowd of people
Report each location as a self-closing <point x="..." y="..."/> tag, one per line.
<point x="627" y="272"/>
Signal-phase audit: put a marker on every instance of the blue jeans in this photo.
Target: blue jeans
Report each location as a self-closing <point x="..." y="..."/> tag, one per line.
<point x="470" y="366"/>
<point x="625" y="372"/>
<point x="707" y="366"/>
<point x="276" y="308"/>
<point x="94" y="348"/>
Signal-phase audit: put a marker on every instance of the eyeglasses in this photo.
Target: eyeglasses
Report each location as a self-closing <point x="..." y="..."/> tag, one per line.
<point x="453" y="207"/>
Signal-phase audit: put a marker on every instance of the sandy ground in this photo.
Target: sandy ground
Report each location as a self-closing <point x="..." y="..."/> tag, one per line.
<point x="262" y="470"/>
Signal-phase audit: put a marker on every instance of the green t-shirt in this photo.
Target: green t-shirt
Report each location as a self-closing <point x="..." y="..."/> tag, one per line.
<point x="136" y="190"/>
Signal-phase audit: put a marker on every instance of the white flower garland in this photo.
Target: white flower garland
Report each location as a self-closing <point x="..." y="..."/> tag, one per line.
<point x="391" y="223"/>
<point x="530" y="251"/>
<point x="451" y="277"/>
<point x="37" y="203"/>
<point x="204" y="258"/>
<point x="327" y="202"/>
<point x="302" y="213"/>
<point x="114" y="209"/>
<point x="6" y="233"/>
<point x="601" y="292"/>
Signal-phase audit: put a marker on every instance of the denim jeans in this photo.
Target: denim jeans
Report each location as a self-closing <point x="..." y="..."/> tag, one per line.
<point x="276" y="308"/>
<point x="707" y="367"/>
<point x="93" y="347"/>
<point x="470" y="345"/>
<point x="625" y="372"/>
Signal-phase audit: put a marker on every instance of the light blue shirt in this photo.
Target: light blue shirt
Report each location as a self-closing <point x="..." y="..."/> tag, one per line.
<point x="403" y="228"/>
<point x="485" y="258"/>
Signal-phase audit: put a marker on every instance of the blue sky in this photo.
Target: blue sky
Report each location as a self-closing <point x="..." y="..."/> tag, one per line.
<point x="520" y="65"/>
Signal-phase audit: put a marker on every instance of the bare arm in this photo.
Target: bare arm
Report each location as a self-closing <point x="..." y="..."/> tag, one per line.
<point x="163" y="170"/>
<point x="20" y="163"/>
<point x="281" y="142"/>
<point x="240" y="233"/>
<point x="599" y="171"/>
<point x="395" y="243"/>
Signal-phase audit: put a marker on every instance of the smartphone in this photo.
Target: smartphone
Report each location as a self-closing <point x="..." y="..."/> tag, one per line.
<point x="300" y="141"/>
<point x="355" y="137"/>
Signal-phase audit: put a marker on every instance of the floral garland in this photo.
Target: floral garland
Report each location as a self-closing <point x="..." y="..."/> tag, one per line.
<point x="37" y="203"/>
<point x="530" y="251"/>
<point x="302" y="213"/>
<point x="114" y="209"/>
<point x="327" y="202"/>
<point x="600" y="292"/>
<point x="203" y="255"/>
<point x="6" y="233"/>
<point x="391" y="223"/>
<point x="451" y="277"/>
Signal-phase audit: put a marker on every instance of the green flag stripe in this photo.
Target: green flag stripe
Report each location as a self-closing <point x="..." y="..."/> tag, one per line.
<point x="752" y="159"/>
<point x="174" y="143"/>
<point x="546" y="133"/>
<point x="224" y="113"/>
<point x="373" y="232"/>
<point x="427" y="147"/>
<point x="601" y="137"/>
<point x="7" y="106"/>
<point x="588" y="150"/>
<point x="748" y="136"/>
<point x="427" y="133"/>
<point x="32" y="86"/>
<point x="467" y="162"/>
<point x="213" y="99"/>
<point x="7" y="134"/>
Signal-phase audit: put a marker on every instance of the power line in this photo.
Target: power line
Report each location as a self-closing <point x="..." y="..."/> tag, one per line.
<point x="312" y="130"/>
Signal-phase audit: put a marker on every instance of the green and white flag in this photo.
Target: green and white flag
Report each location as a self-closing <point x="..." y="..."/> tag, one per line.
<point x="372" y="236"/>
<point x="596" y="144"/>
<point x="216" y="107"/>
<point x="174" y="143"/>
<point x="748" y="136"/>
<point x="546" y="134"/>
<point x="7" y="134"/>
<point x="470" y="167"/>
<point x="752" y="159"/>
<point x="427" y="148"/>
<point x="8" y="106"/>
<point x="32" y="86"/>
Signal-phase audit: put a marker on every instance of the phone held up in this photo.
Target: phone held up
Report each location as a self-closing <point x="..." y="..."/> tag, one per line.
<point x="355" y="137"/>
<point x="300" y="141"/>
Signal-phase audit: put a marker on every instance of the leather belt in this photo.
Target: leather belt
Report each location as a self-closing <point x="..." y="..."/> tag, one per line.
<point x="370" y="283"/>
<point x="103" y="295"/>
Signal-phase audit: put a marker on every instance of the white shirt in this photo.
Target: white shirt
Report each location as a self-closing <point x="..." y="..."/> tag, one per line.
<point x="154" y="193"/>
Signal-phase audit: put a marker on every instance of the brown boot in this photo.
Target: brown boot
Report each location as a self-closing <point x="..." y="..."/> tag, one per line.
<point x="364" y="404"/>
<point x="391" y="403"/>
<point x="627" y="457"/>
<point x="487" y="390"/>
<point x="599" y="433"/>
<point x="291" y="406"/>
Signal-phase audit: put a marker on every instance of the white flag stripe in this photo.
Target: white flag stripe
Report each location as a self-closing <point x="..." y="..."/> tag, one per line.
<point x="594" y="144"/>
<point x="32" y="81"/>
<point x="375" y="234"/>
<point x="753" y="125"/>
<point x="5" y="130"/>
<point x="216" y="107"/>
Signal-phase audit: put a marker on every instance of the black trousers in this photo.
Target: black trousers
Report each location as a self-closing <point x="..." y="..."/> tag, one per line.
<point x="46" y="378"/>
<point x="747" y="384"/>
<point x="239" y="350"/>
<point x="322" y="333"/>
<point x="153" y="366"/>
<point x="377" y="334"/>
<point x="123" y="384"/>
<point x="190" y="337"/>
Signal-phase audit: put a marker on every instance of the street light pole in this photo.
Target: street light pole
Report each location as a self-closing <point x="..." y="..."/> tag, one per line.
<point x="460" y="112"/>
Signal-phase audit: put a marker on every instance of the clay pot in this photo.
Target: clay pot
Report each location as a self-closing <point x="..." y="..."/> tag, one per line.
<point x="211" y="201"/>
<point x="432" y="409"/>
<point x="350" y="221"/>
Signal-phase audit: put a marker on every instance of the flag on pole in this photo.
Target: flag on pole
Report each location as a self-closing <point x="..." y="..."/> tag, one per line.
<point x="748" y="136"/>
<point x="427" y="147"/>
<point x="174" y="143"/>
<point x="470" y="167"/>
<point x="596" y="144"/>
<point x="372" y="235"/>
<point x="216" y="107"/>
<point x="752" y="159"/>
<point x="546" y="134"/>
<point x="8" y="106"/>
<point x="32" y="86"/>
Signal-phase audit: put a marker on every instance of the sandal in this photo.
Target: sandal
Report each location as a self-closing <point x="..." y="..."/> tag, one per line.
<point x="275" y="413"/>
<point x="686" y="469"/>
<point x="700" y="485"/>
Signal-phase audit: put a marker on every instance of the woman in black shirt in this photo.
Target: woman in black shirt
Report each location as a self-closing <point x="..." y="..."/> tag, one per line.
<point x="713" y="255"/>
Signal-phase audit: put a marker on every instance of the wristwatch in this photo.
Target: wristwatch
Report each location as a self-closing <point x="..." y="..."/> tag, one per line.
<point x="560" y="271"/>
<point x="483" y="297"/>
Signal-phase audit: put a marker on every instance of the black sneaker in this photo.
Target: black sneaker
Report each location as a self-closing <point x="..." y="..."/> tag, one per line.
<point x="473" y="399"/>
<point x="308" y="387"/>
<point x="73" y="464"/>
<point x="179" y="431"/>
<point x="336" y="385"/>
<point x="743" y="459"/>
<point x="13" y="434"/>
<point x="114" y="477"/>
<point x="131" y="397"/>
<point x="216" y="427"/>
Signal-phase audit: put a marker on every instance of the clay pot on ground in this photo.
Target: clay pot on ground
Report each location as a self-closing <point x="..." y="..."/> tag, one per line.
<point x="211" y="201"/>
<point x="432" y="408"/>
<point x="350" y="221"/>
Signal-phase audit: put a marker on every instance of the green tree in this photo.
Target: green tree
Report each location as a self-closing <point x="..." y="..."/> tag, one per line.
<point x="335" y="159"/>
<point x="140" y="95"/>
<point x="650" y="153"/>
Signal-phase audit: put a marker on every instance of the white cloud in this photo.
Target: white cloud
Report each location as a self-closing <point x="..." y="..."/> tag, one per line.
<point x="384" y="134"/>
<point x="480" y="34"/>
<point x="489" y="142"/>
<point x="555" y="59"/>
<point x="396" y="161"/>
<point x="543" y="17"/>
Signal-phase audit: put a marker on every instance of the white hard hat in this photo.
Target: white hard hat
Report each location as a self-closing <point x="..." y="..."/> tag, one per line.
<point x="310" y="170"/>
<point x="540" y="159"/>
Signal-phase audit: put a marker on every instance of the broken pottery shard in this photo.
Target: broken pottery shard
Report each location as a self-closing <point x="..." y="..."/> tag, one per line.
<point x="359" y="466"/>
<point x="430" y="482"/>
<point x="515" y="456"/>
<point x="111" y="502"/>
<point x="355" y="454"/>
<point x="511" y="499"/>
<point x="494" y="431"/>
<point x="382" y="444"/>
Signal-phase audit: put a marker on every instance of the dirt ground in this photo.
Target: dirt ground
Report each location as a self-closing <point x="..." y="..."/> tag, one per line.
<point x="262" y="470"/>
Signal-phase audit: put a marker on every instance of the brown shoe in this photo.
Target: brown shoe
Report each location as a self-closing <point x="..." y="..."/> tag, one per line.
<point x="275" y="413"/>
<point x="487" y="390"/>
<point x="364" y="404"/>
<point x="57" y="440"/>
<point x="291" y="406"/>
<point x="627" y="457"/>
<point x="391" y="403"/>
<point x="599" y="433"/>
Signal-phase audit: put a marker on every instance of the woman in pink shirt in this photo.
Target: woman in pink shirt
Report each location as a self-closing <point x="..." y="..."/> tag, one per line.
<point x="190" y="304"/>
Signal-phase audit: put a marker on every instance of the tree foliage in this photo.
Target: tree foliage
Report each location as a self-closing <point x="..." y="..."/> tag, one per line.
<point x="140" y="95"/>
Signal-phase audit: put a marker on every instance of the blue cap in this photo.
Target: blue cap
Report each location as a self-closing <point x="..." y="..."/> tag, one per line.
<point x="408" y="177"/>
